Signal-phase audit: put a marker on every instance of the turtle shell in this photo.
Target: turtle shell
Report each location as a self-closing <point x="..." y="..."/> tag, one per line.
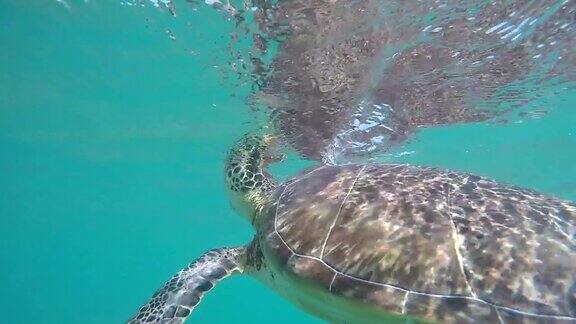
<point x="427" y="243"/>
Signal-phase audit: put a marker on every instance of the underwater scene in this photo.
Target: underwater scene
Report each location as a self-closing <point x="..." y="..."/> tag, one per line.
<point x="350" y="161"/>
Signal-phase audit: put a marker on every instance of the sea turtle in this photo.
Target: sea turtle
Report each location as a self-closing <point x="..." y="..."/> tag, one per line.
<point x="380" y="243"/>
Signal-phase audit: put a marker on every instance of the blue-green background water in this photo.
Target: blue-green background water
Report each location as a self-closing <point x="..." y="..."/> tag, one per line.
<point x="112" y="139"/>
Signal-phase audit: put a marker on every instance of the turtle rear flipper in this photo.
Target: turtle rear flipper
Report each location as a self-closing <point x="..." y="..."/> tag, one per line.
<point x="177" y="298"/>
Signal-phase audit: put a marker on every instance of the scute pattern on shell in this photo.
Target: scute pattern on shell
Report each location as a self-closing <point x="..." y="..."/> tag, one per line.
<point x="436" y="244"/>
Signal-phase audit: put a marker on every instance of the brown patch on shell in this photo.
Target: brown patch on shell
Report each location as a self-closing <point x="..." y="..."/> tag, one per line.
<point x="307" y="208"/>
<point x="435" y="233"/>
<point x="384" y="297"/>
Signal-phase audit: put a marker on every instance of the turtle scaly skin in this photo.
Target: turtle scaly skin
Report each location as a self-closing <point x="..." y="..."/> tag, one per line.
<point x="392" y="243"/>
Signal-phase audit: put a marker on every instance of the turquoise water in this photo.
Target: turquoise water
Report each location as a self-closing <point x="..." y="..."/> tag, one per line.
<point x="112" y="139"/>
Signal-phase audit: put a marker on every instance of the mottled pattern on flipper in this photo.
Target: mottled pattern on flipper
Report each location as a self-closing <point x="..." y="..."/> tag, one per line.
<point x="177" y="298"/>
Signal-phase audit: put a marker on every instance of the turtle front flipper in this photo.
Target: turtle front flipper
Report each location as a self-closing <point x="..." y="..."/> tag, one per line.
<point x="177" y="298"/>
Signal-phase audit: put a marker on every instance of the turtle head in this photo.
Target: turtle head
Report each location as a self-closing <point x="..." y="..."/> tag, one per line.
<point x="247" y="180"/>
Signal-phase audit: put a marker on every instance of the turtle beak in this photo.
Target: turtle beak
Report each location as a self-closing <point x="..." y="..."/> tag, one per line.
<point x="270" y="140"/>
<point x="272" y="153"/>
